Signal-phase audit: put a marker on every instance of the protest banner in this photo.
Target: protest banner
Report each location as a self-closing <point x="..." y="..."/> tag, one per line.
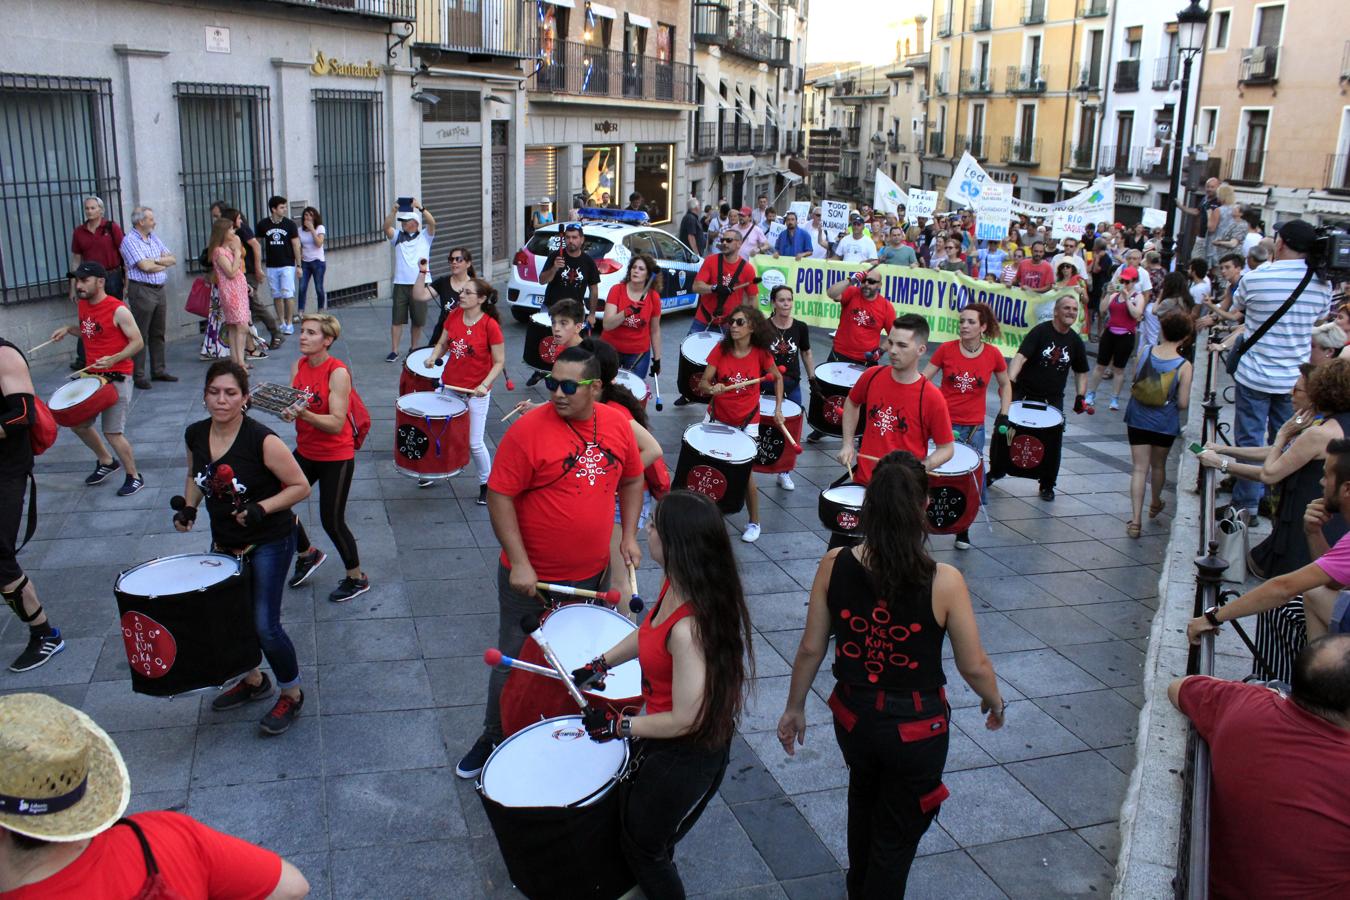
<point x="967" y="182"/>
<point x="1068" y="223"/>
<point x="802" y="209"/>
<point x="993" y="209"/>
<point x="887" y="196"/>
<point x="921" y="204"/>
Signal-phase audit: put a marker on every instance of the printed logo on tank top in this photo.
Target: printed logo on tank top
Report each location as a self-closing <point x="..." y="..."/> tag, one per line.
<point x="784" y="349"/>
<point x="885" y="420"/>
<point x="877" y="641"/>
<point x="459" y="348"/>
<point x="1056" y="356"/>
<point x="89" y="328"/>
<point x="864" y="319"/>
<point x="591" y="464"/>
<point x="966" y="382"/>
<point x="217" y="480"/>
<point x="633" y="318"/>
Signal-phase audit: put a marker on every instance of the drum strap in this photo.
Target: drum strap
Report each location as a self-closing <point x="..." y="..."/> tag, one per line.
<point x="15" y="600"/>
<point x="29" y="531"/>
<point x="440" y="434"/>
<point x="722" y="301"/>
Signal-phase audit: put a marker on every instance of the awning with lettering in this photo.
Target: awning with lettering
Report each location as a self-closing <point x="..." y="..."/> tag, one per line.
<point x="639" y="21"/>
<point x="736" y="163"/>
<point x="1252" y="197"/>
<point x="604" y="12"/>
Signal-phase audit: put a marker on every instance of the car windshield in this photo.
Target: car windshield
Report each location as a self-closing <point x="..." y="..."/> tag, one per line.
<point x="545" y="242"/>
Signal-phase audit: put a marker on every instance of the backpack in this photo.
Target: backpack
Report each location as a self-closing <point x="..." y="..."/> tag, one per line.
<point x="1151" y="387"/>
<point x="358" y="416"/>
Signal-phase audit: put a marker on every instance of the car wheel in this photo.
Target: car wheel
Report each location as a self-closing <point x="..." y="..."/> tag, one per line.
<point x="522" y="314"/>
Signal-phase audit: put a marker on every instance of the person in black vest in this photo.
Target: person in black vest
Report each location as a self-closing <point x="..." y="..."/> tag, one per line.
<point x="889" y="606"/>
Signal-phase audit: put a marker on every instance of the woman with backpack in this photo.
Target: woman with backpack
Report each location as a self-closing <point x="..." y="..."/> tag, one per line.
<point x="1161" y="390"/>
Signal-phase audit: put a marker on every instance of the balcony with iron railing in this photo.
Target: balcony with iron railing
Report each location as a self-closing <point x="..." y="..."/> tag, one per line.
<point x="580" y="69"/>
<point x="1127" y="76"/>
<point x="1033" y="12"/>
<point x="977" y="145"/>
<point x="853" y="136"/>
<point x="976" y="81"/>
<point x="1095" y="9"/>
<point x="705" y="139"/>
<point x="980" y="15"/>
<point x="1114" y="160"/>
<point x="1020" y="152"/>
<point x="710" y="22"/>
<point x="1259" y="65"/>
<point x="944" y="26"/>
<point x="735" y="137"/>
<point x="936" y="142"/>
<point x="1140" y="162"/>
<point x="1027" y="79"/>
<point x="940" y="84"/>
<point x="794" y="143"/>
<point x="491" y="28"/>
<point x="387" y="10"/>
<point x="1081" y="158"/>
<point x="1166" y="70"/>
<point x="859" y="84"/>
<point x="1338" y="173"/>
<point x="717" y="24"/>
<point x="1246" y="166"/>
<point x="893" y="145"/>
<point x="848" y="185"/>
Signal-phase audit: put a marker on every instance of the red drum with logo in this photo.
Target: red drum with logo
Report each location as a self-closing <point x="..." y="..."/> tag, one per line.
<point x="636" y="386"/>
<point x="1029" y="446"/>
<point x="541" y="348"/>
<point x="187" y="623"/>
<point x="694" y="352"/>
<point x="775" y="453"/>
<point x="840" y="507"/>
<point x="954" y="491"/>
<point x="578" y="633"/>
<point x="716" y="459"/>
<point x="549" y="795"/>
<point x="833" y="382"/>
<point x="431" y="437"/>
<point x="80" y="399"/>
<point x="416" y="376"/>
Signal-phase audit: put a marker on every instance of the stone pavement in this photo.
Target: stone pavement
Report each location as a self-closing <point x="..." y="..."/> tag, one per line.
<point x="361" y="793"/>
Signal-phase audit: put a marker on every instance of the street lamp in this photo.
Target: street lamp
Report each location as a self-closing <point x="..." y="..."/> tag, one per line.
<point x="1191" y="24"/>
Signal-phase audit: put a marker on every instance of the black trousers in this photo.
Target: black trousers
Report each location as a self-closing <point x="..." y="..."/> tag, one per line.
<point x="674" y="782"/>
<point x="1048" y="482"/>
<point x="335" y="483"/>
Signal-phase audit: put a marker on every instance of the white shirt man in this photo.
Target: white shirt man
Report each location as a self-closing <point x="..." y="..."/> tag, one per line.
<point x="855" y="247"/>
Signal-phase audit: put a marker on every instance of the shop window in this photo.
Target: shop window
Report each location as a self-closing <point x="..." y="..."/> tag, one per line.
<point x="652" y="179"/>
<point x="600" y="168"/>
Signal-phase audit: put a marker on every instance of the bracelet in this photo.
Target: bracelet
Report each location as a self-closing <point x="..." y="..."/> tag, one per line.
<point x="1223" y="466"/>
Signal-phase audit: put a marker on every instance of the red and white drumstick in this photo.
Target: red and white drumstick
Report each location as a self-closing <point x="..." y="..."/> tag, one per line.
<point x="745" y="384"/>
<point x="611" y="597"/>
<point x="530" y="625"/>
<point x="788" y="435"/>
<point x="494" y="657"/>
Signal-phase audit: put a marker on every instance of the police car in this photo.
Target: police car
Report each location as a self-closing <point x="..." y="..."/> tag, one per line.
<point x="612" y="237"/>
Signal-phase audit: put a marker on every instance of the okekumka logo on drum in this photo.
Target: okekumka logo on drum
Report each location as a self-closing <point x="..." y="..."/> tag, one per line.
<point x="1026" y="452"/>
<point x="569" y="734"/>
<point x="707" y="480"/>
<point x="834" y="409"/>
<point x="847" y="520"/>
<point x="151" y="649"/>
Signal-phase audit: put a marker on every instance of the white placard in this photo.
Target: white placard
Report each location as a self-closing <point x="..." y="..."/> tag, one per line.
<point x="1068" y="223"/>
<point x="802" y="208"/>
<point x="968" y="181"/>
<point x="217" y="39"/>
<point x="921" y="205"/>
<point x="993" y="209"/>
<point x="1154" y="218"/>
<point x="834" y="216"/>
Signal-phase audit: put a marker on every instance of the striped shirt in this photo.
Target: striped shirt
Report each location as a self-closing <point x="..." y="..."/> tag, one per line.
<point x="1271" y="365"/>
<point x="136" y="247"/>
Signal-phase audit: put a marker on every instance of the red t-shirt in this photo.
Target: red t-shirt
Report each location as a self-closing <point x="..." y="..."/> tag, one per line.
<point x="101" y="335"/>
<point x="708" y="273"/>
<point x="634" y="334"/>
<point x="861" y="323"/>
<point x="195" y="860"/>
<point x="1280" y="803"/>
<point x="564" y="477"/>
<point x="311" y="442"/>
<point x="739" y="407"/>
<point x="100" y="246"/>
<point x="965" y="380"/>
<point x="468" y="349"/>
<point x="899" y="417"/>
<point x="1035" y="276"/>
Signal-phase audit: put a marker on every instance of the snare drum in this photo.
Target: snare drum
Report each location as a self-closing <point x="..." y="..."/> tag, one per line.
<point x="187" y="622"/>
<point x="716" y="459"/>
<point x="954" y="491"/>
<point x="840" y="507"/>
<point x="578" y="633"/>
<point x="775" y="454"/>
<point x="541" y="347"/>
<point x="636" y="386"/>
<point x="1030" y="445"/>
<point x="694" y="352"/>
<point x="431" y="439"/>
<point x="80" y="399"/>
<point x="416" y="376"/>
<point x="833" y="382"/>
<point x="550" y="795"/>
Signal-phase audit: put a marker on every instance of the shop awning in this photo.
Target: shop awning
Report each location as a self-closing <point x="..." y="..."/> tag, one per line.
<point x="604" y="12"/>
<point x="1071" y="186"/>
<point x="799" y="166"/>
<point x="567" y="3"/>
<point x="1250" y="197"/>
<point x="639" y="21"/>
<point x="763" y="168"/>
<point x="789" y="177"/>
<point x="1334" y="206"/>
<point x="736" y="163"/>
<point x="714" y="90"/>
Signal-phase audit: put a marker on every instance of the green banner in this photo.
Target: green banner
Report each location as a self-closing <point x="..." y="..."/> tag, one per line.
<point x="936" y="295"/>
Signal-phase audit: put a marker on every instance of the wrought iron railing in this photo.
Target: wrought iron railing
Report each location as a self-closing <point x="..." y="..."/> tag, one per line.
<point x="488" y="27"/>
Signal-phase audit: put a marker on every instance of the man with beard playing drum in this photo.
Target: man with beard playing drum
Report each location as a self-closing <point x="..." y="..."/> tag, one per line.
<point x="865" y="317"/>
<point x="551" y="497"/>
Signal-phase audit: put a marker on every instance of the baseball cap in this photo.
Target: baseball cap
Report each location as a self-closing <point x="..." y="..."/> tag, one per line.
<point x="573" y="226"/>
<point x="94" y="270"/>
<point x="856" y="217"/>
<point x="1297" y="235"/>
<point x="745" y="210"/>
<point x="1129" y="273"/>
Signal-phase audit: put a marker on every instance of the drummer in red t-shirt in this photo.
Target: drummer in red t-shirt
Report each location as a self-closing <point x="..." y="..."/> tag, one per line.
<point x="633" y="317"/>
<point x="551" y="500"/>
<point x="744" y="355"/>
<point x="865" y="316"/>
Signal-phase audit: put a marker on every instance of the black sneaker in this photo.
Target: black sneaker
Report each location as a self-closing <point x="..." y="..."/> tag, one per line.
<point x="534" y="379"/>
<point x="392" y="357"/>
<point x="482" y="495"/>
<point x="348" y="588"/>
<point x="242" y="693"/>
<point x="283" y="713"/>
<point x="681" y="400"/>
<point x="101" y="472"/>
<point x="476" y="758"/>
<point x="1047" y="494"/>
<point x="814" y="437"/>
<point x="39" y="650"/>
<point x="133" y="484"/>
<point x="305" y="564"/>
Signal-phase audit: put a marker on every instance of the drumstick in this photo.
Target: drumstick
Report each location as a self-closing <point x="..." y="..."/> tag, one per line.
<point x="494" y="657"/>
<point x="610" y="597"/>
<point x="520" y="408"/>
<point x="788" y="435"/>
<point x="635" y="604"/>
<point x="530" y="625"/>
<point x="656" y="386"/>
<point x="81" y="371"/>
<point x="40" y="346"/>
<point x="462" y="390"/>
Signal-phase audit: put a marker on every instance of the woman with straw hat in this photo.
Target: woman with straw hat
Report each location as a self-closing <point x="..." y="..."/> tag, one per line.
<point x="63" y="790"/>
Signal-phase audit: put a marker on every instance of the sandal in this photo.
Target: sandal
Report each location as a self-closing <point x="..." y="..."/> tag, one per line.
<point x="1155" y="508"/>
<point x="1132" y="529"/>
<point x="257" y="354"/>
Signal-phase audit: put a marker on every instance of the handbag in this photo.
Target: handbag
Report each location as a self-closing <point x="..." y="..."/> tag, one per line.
<point x="199" y="298"/>
<point x="1231" y="532"/>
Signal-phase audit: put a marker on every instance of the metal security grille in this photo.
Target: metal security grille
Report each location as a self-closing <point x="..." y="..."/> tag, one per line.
<point x="452" y="188"/>
<point x="349" y="131"/>
<point x="57" y="145"/>
<point x="225" y="132"/>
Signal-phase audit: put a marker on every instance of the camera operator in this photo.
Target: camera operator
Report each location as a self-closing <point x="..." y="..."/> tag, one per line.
<point x="1268" y="367"/>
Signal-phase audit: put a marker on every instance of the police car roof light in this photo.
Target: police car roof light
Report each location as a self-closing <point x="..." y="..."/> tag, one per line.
<point x="627" y="216"/>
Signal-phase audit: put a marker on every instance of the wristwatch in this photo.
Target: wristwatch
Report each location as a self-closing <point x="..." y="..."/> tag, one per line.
<point x="626" y="727"/>
<point x="1223" y="465"/>
<point x="1212" y="616"/>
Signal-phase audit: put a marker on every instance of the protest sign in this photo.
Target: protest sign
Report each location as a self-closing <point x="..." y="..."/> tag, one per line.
<point x="967" y="182"/>
<point x="1068" y="223"/>
<point x="921" y="204"/>
<point x="834" y="216"/>
<point x="1154" y="218"/>
<point x="993" y="209"/>
<point x="887" y="196"/>
<point x="802" y="208"/>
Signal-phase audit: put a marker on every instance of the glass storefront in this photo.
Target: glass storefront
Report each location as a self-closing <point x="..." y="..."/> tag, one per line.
<point x="652" y="178"/>
<point x="600" y="176"/>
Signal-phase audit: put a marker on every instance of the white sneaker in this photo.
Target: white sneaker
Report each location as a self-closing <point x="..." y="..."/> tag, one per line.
<point x="785" y="481"/>
<point x="751" y="533"/>
<point x="1115" y="403"/>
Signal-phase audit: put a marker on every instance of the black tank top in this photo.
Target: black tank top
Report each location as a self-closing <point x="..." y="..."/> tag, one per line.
<point x="16" y="455"/>
<point x="240" y="476"/>
<point x="895" y="647"/>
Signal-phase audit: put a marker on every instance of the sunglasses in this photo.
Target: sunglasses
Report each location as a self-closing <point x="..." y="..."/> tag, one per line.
<point x="569" y="387"/>
<point x="457" y="259"/>
<point x="739" y="322"/>
<point x="727" y="241"/>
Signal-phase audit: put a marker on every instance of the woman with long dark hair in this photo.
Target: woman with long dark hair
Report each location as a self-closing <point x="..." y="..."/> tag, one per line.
<point x="632" y="319"/>
<point x="446" y="288"/>
<point x="250" y="481"/>
<point x="745" y="354"/>
<point x="695" y="652"/>
<point x="889" y="605"/>
<point x="313" y="257"/>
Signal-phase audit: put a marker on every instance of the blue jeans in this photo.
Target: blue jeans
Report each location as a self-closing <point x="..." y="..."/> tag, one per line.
<point x="313" y="269"/>
<point x="268" y="567"/>
<point x="792" y="389"/>
<point x="973" y="437"/>
<point x="637" y="363"/>
<point x="695" y="326"/>
<point x="1256" y="417"/>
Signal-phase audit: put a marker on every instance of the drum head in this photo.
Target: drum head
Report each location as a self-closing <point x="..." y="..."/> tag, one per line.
<point x="1037" y="416"/>
<point x="579" y="632"/>
<point x="543" y="319"/>
<point x="790" y="409"/>
<point x="415" y="360"/>
<point x="721" y="442"/>
<point x="964" y="459"/>
<point x="636" y="386"/>
<point x="696" y="347"/>
<point x="839" y="374"/>
<point x="846" y="495"/>
<point x="432" y="405"/>
<point x="177" y="574"/>
<point x="552" y="763"/>
<point x="75" y="392"/>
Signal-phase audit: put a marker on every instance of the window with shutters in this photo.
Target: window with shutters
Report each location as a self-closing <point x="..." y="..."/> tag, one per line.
<point x="349" y="135"/>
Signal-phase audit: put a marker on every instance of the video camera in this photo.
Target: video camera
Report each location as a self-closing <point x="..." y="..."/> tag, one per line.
<point x="1330" y="255"/>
